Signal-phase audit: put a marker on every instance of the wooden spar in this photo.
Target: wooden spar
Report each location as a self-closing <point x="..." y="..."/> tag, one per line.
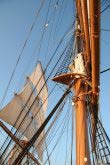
<point x="95" y="48"/>
<point x="17" y="141"/>
<point x="82" y="145"/>
<point x="79" y="12"/>
<point x="95" y="59"/>
<point x="86" y="33"/>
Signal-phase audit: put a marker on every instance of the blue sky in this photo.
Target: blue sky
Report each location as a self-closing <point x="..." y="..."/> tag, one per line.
<point x="16" y="18"/>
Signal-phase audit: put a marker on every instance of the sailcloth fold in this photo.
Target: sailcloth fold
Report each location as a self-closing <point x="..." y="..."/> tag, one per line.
<point x="15" y="111"/>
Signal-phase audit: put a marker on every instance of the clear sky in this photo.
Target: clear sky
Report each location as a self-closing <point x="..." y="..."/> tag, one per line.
<point x="16" y="18"/>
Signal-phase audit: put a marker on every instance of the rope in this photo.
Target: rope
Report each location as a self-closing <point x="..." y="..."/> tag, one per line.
<point x="20" y="55"/>
<point x="64" y="36"/>
<point x="34" y="138"/>
<point x="31" y="105"/>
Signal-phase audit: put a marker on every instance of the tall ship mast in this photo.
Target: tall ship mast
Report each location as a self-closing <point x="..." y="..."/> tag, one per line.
<point x="55" y="116"/>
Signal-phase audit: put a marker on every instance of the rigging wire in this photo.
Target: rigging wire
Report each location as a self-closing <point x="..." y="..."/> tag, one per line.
<point x="22" y="50"/>
<point x="106" y="30"/>
<point x="108" y="6"/>
<point x="32" y="104"/>
<point x="44" y="27"/>
<point x="59" y="15"/>
<point x="61" y="134"/>
<point x="60" y="42"/>
<point x="52" y="124"/>
<point x="52" y="135"/>
<point x="39" y="43"/>
<point x="36" y="135"/>
<point x="50" y="34"/>
<point x="51" y="72"/>
<point x="101" y="153"/>
<point x="104" y="70"/>
<point x="59" y="23"/>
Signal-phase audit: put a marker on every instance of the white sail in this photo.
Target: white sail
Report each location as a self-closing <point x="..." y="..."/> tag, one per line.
<point x="21" y="103"/>
<point x="35" y="77"/>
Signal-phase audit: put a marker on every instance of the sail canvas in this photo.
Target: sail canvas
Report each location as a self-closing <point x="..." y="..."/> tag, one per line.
<point x="31" y="99"/>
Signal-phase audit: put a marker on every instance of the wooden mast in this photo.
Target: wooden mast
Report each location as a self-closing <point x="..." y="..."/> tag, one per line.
<point x="95" y="59"/>
<point x="82" y="145"/>
<point x="80" y="88"/>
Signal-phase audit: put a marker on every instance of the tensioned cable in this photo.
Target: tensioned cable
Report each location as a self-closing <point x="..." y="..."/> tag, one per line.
<point x="41" y="44"/>
<point x="60" y="9"/>
<point x="36" y="135"/>
<point x="105" y="9"/>
<point x="90" y="130"/>
<point x="32" y="104"/>
<point x="50" y="34"/>
<point x="103" y="133"/>
<point x="56" y="118"/>
<point x="59" y="126"/>
<point x="43" y="30"/>
<point x="20" y="55"/>
<point x="106" y="30"/>
<point x="60" y="136"/>
<point x="48" y="78"/>
<point x="59" y="23"/>
<point x="38" y="44"/>
<point x="60" y="42"/>
<point x="27" y="126"/>
<point x="51" y="133"/>
<point x="105" y="70"/>
<point x="53" y="125"/>
<point x="63" y="121"/>
<point x="104" y="2"/>
<point x="42" y="105"/>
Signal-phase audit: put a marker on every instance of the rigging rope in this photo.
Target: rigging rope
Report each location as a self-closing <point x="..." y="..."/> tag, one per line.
<point x="44" y="29"/>
<point x="62" y="131"/>
<point x="105" y="9"/>
<point x="105" y="70"/>
<point x="101" y="138"/>
<point x="31" y="105"/>
<point x="36" y="135"/>
<point x="20" y="55"/>
<point x="53" y="123"/>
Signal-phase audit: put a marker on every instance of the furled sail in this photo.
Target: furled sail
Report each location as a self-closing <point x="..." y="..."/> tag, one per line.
<point x="22" y="103"/>
<point x="77" y="66"/>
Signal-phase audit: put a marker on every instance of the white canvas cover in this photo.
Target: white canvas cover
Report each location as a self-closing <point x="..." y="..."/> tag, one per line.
<point x="12" y="110"/>
<point x="78" y="65"/>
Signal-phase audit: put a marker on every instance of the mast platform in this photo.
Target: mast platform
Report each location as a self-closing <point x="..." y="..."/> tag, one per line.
<point x="67" y="78"/>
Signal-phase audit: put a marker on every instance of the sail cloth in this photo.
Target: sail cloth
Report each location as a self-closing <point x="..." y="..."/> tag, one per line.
<point x="22" y="103"/>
